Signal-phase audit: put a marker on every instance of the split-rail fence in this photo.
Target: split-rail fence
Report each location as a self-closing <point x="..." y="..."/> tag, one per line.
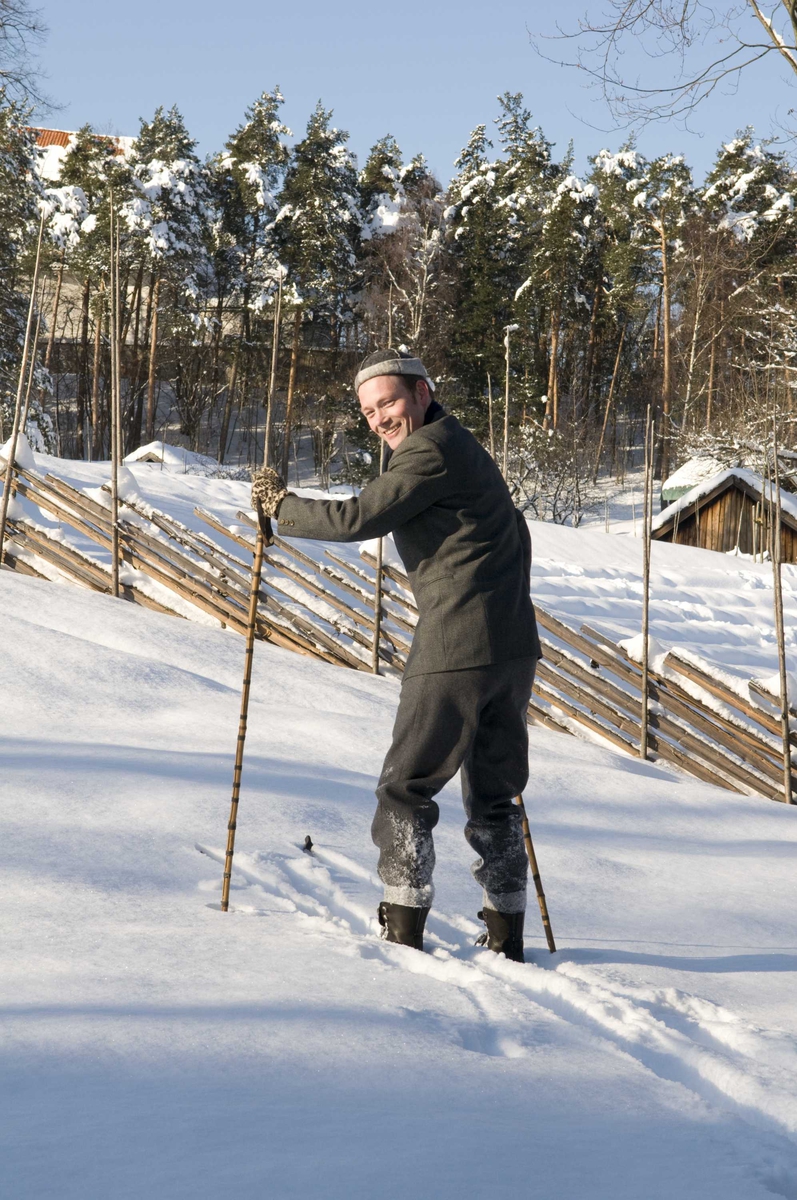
<point x="324" y="605"/>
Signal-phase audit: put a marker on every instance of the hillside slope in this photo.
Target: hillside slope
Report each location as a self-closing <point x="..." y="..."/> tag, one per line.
<point x="155" y="1046"/>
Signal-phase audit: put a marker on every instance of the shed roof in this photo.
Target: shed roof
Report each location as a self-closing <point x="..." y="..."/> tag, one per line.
<point x="741" y="478"/>
<point x="689" y="474"/>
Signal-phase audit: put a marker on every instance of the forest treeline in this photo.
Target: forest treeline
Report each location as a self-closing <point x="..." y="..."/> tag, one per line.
<point x="584" y="299"/>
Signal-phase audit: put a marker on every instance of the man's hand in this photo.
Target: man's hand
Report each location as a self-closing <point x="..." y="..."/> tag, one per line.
<point x="268" y="489"/>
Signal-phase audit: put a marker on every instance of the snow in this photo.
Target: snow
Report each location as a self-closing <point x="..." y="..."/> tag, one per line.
<point x="23" y="455"/>
<point x="692" y="472"/>
<point x="155" y="1046"/>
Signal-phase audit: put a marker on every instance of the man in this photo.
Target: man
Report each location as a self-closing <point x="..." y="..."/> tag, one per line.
<point x="470" y="671"/>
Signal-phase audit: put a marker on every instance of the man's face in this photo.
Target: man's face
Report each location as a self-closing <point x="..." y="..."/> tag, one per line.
<point x="391" y="409"/>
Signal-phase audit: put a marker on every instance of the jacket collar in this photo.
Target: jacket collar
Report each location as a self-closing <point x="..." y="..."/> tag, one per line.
<point x="434" y="412"/>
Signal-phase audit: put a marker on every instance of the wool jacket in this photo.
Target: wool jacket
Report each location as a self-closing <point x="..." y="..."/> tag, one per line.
<point x="466" y="548"/>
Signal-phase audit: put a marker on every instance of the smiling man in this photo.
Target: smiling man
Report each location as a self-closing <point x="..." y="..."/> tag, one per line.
<point x="470" y="671"/>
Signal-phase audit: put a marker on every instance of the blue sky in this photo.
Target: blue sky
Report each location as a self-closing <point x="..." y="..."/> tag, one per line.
<point x="427" y="72"/>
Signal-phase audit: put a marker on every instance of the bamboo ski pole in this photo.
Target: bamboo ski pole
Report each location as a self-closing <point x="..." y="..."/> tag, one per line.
<point x="265" y="537"/>
<point x="777" y="556"/>
<point x="646" y="538"/>
<point x="535" y="875"/>
<point x="378" y="583"/>
<point x="14" y="439"/>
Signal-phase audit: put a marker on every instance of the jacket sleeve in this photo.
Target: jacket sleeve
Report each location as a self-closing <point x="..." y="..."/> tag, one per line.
<point x="416" y="477"/>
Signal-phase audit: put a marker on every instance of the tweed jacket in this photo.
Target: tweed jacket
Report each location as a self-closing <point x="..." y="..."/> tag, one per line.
<point x="466" y="548"/>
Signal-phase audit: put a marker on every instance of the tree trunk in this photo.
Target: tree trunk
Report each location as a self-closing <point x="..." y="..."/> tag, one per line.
<point x="297" y="329"/>
<point x="657" y="329"/>
<point x="590" y="363"/>
<point x="609" y="400"/>
<point x="151" y="377"/>
<point x="666" y="372"/>
<point x="83" y="370"/>
<point x="553" y="375"/>
<point x="145" y="342"/>
<point x="135" y="413"/>
<point x="712" y="366"/>
<point x="96" y="423"/>
<point x="56" y="301"/>
<point x="228" y="402"/>
<point x="693" y="352"/>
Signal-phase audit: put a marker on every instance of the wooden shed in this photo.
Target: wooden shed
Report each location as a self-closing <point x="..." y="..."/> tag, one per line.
<point x="726" y="513"/>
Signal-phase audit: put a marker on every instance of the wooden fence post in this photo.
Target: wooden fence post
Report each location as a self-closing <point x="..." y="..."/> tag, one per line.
<point x="650" y="428"/>
<point x="776" y="554"/>
<point x="14" y="439"/>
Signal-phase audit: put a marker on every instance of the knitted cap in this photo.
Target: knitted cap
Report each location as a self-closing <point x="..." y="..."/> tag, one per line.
<point x="390" y="362"/>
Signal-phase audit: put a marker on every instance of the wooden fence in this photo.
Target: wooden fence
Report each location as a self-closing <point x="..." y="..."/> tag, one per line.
<point x="324" y="607"/>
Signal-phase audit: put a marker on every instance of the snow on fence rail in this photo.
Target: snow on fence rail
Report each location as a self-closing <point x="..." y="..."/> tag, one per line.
<point x="586" y="683"/>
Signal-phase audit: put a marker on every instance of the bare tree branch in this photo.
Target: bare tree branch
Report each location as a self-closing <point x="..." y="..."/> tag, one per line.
<point x="22" y="30"/>
<point x="712" y="44"/>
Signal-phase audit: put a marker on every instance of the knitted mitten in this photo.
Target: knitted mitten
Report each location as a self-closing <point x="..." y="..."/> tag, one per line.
<point x="268" y="489"/>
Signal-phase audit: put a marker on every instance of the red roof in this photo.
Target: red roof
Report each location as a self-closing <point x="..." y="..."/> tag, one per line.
<point x="51" y="137"/>
<point x="63" y="137"/>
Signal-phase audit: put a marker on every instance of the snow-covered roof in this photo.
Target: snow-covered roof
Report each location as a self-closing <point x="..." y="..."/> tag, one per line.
<point x="170" y="456"/>
<point x="53" y="144"/>
<point x="691" y="473"/>
<point x="184" y="461"/>
<point x="741" y="477"/>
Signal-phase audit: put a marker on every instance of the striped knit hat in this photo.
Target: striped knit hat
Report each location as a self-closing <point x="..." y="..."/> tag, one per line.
<point x="391" y="362"/>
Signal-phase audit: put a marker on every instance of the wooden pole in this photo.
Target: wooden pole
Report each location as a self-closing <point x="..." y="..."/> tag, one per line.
<point x="646" y="540"/>
<point x="286" y="448"/>
<point x="152" y="371"/>
<point x="535" y="875"/>
<point x="14" y="439"/>
<point x="776" y="555"/>
<point x="490" y="414"/>
<point x="114" y="338"/>
<point x="272" y="383"/>
<point x="31" y="372"/>
<point x="264" y="537"/>
<point x="378" y="583"/>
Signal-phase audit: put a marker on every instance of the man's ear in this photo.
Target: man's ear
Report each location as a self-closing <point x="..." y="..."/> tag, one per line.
<point x="423" y="393"/>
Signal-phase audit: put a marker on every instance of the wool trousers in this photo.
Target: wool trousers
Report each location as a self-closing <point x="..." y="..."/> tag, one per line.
<point x="473" y="720"/>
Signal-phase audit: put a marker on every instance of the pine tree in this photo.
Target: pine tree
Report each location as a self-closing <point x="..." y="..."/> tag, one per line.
<point x="244" y="183"/>
<point x="477" y="245"/>
<point x="379" y="183"/>
<point x="318" y="226"/>
<point x="629" y="268"/>
<point x="317" y="236"/>
<point x="80" y="226"/>
<point x="167" y="216"/>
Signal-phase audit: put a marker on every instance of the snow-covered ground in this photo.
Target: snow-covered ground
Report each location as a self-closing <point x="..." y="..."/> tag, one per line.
<point x="156" y="1047"/>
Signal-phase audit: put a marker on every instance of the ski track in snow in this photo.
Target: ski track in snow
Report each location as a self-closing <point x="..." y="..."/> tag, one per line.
<point x="680" y="1037"/>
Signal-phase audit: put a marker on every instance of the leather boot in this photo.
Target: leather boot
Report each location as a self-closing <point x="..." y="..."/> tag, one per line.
<point x="402" y="924"/>
<point x="504" y="933"/>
